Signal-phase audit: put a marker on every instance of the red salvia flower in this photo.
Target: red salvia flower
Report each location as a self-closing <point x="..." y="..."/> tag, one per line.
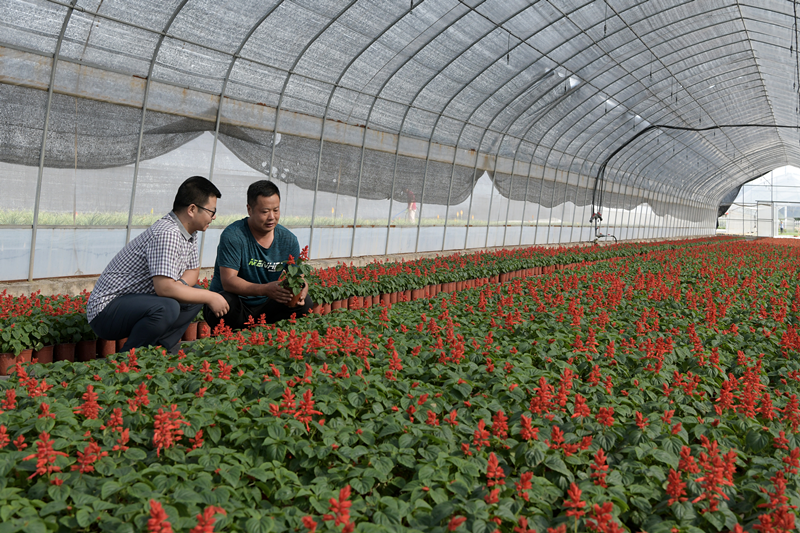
<point x="45" y="408"/>
<point x="288" y="402"/>
<point x="687" y="463"/>
<point x="792" y="461"/>
<point x="11" y="400"/>
<point x="306" y="411"/>
<point x="205" y="521"/>
<point x="522" y="526"/>
<point x="581" y="409"/>
<point x="224" y="370"/>
<point x="90" y="408"/>
<point x="158" y="522"/>
<point x="676" y="488"/>
<point x="641" y="421"/>
<point x="86" y="459"/>
<point x="309" y="522"/>
<point x="432" y="420"/>
<point x="494" y="473"/>
<point x="492" y="497"/>
<point x="197" y="440"/>
<point x="500" y="425"/>
<point x="122" y="441"/>
<point x="481" y="437"/>
<point x="341" y="507"/>
<point x="45" y="456"/>
<point x="4" y="438"/>
<point x="168" y="428"/>
<point x="451" y="419"/>
<point x="605" y="416"/>
<point x="574" y="503"/>
<point x="528" y="432"/>
<point x="781" y="442"/>
<point x="19" y="442"/>
<point x="601" y="520"/>
<point x="600" y="468"/>
<point x="455" y="522"/>
<point x="523" y="485"/>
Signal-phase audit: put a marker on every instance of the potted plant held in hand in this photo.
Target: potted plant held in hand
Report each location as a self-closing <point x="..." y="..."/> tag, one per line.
<point x="293" y="275"/>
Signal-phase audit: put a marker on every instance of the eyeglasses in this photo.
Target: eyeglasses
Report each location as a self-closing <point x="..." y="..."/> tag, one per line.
<point x="213" y="213"/>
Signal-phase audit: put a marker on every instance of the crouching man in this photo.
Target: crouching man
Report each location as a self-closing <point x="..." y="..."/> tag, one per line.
<point x="147" y="292"/>
<point x="250" y="259"/>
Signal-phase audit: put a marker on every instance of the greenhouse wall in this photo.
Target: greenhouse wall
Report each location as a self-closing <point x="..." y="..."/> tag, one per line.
<point x="91" y="157"/>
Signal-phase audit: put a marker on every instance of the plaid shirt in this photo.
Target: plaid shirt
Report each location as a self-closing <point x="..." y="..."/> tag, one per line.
<point x="165" y="249"/>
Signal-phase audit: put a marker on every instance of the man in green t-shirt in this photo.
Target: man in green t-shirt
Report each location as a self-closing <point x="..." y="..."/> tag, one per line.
<point x="250" y="259"/>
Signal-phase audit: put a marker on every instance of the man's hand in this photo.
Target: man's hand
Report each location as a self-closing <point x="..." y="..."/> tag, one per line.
<point x="218" y="304"/>
<point x="274" y="291"/>
<point x="303" y="293"/>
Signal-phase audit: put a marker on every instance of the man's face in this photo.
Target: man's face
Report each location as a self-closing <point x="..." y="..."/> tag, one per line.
<point x="265" y="214"/>
<point x="204" y="215"/>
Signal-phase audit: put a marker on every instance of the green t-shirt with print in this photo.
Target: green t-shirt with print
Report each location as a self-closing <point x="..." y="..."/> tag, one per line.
<point x="239" y="250"/>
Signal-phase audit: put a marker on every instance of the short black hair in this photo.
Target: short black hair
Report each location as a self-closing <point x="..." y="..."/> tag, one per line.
<point x="261" y="188"/>
<point x="195" y="190"/>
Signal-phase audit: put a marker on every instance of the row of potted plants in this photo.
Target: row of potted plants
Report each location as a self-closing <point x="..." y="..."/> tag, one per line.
<point x="35" y="326"/>
<point x="344" y="282"/>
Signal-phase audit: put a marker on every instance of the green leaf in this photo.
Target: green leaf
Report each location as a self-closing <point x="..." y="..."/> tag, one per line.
<point x="135" y="454"/>
<point x="383" y="465"/>
<point x="441" y="511"/>
<point x="555" y="463"/>
<point x="84" y="518"/>
<point x="666" y="457"/>
<point x="53" y="507"/>
<point x="109" y="488"/>
<point x="264" y="524"/>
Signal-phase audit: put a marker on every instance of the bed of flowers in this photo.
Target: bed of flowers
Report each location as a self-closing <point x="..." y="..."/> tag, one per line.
<point x="657" y="393"/>
<point x="342" y="281"/>
<point x="55" y="324"/>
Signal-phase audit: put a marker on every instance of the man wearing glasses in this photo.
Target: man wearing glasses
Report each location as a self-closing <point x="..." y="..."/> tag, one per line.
<point x="148" y="292"/>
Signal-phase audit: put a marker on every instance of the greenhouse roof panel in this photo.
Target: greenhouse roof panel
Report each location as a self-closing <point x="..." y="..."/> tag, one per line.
<point x="568" y="82"/>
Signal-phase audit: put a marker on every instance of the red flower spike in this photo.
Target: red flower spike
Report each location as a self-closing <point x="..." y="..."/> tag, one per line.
<point x="493" y="497"/>
<point x="455" y="522"/>
<point x="676" y="488"/>
<point x="168" y="428"/>
<point x="494" y="473"/>
<point x="205" y="521"/>
<point x="309" y="523"/>
<point x="4" y="438"/>
<point x="600" y="468"/>
<point x="574" y="503"/>
<point x="522" y="526"/>
<point x="500" y="425"/>
<point x="86" y="459"/>
<point x="45" y="456"/>
<point x="306" y="410"/>
<point x="158" y="522"/>
<point x="481" y="436"/>
<point x="90" y="408"/>
<point x="341" y="507"/>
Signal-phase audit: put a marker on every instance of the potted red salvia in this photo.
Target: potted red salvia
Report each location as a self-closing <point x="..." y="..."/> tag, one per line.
<point x="293" y="275"/>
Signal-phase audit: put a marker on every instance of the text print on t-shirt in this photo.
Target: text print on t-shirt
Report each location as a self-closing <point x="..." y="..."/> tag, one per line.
<point x="270" y="267"/>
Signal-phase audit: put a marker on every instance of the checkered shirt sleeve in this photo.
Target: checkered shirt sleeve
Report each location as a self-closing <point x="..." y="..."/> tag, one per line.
<point x="160" y="251"/>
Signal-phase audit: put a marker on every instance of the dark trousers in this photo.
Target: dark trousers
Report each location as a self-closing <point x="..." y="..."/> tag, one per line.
<point x="146" y="319"/>
<point x="239" y="312"/>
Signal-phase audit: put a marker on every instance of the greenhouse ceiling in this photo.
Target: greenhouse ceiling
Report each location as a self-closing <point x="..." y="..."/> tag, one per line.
<point x="507" y="86"/>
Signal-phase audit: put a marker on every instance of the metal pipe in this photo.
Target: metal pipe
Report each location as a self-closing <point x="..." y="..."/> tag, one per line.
<point x="42" y="152"/>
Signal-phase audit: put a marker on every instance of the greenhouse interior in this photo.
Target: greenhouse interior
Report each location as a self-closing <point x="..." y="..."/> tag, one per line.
<point x="404" y="266"/>
<point x="503" y="123"/>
